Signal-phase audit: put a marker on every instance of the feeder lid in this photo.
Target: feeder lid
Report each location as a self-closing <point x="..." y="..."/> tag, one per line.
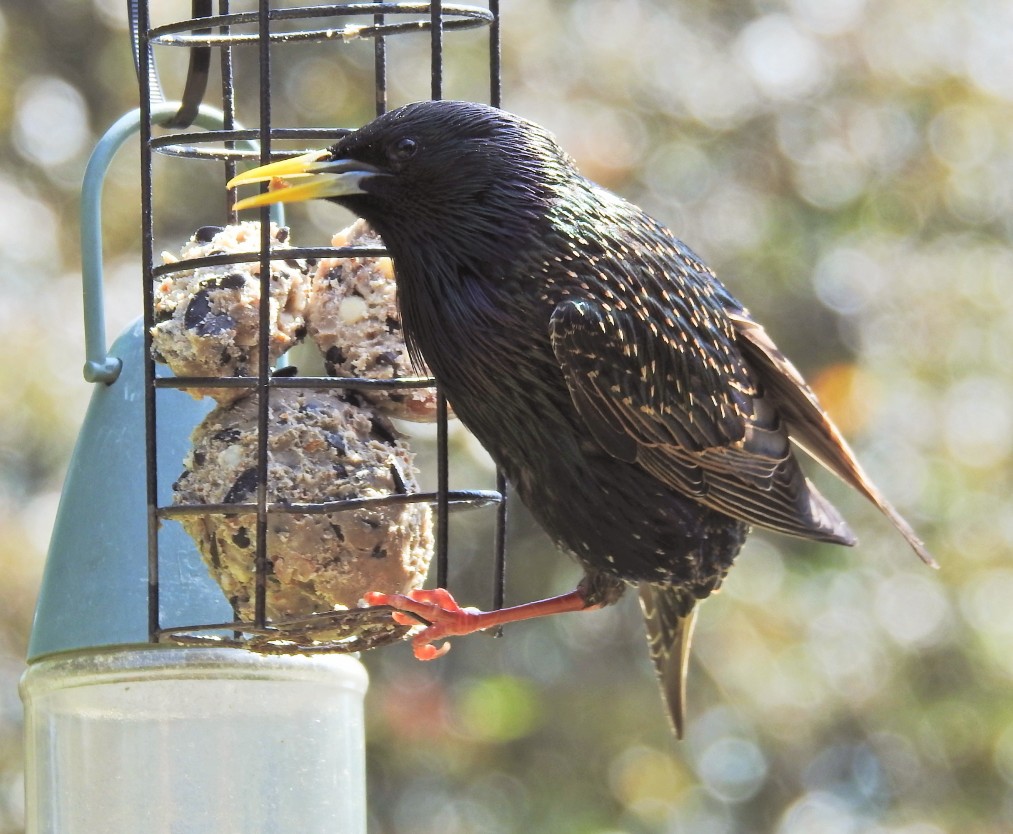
<point x="95" y="585"/>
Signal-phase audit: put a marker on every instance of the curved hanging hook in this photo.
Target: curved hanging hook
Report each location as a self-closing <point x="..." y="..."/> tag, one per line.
<point x="196" y="74"/>
<point x="99" y="366"/>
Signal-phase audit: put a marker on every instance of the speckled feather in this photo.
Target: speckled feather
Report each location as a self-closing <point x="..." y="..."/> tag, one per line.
<point x="639" y="411"/>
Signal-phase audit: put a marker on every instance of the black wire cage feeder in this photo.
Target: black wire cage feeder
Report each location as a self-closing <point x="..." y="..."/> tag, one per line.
<point x="136" y="648"/>
<point x="347" y="630"/>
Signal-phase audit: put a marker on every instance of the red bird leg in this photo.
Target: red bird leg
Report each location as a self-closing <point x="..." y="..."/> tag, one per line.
<point x="447" y="619"/>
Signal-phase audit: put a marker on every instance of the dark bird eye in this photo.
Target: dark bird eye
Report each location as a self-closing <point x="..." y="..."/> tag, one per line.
<point x="404" y="148"/>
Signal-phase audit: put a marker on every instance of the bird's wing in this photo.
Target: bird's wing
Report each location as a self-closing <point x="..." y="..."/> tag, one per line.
<point x="647" y="384"/>
<point x="809" y="425"/>
<point x="670" y="615"/>
<point x="684" y="407"/>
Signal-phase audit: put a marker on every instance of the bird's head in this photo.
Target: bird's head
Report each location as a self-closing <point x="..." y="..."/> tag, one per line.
<point x="429" y="169"/>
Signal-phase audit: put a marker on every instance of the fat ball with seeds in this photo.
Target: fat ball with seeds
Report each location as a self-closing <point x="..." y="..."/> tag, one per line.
<point x="322" y="450"/>
<point x="352" y="317"/>
<point x="207" y="318"/>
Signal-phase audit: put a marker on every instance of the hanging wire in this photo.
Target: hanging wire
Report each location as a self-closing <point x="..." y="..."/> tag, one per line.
<point x="196" y="75"/>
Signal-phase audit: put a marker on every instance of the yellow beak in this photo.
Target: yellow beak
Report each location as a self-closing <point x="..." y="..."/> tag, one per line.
<point x="331" y="178"/>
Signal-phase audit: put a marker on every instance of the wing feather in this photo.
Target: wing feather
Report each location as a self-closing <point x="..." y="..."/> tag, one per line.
<point x="810" y="426"/>
<point x="688" y="411"/>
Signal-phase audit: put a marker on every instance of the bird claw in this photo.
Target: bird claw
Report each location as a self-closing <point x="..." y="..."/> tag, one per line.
<point x="436" y="608"/>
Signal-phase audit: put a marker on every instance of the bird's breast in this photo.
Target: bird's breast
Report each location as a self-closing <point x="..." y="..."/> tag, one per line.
<point x="489" y="349"/>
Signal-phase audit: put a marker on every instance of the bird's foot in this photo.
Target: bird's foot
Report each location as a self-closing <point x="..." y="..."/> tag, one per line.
<point x="436" y="608"/>
<point x="445" y="618"/>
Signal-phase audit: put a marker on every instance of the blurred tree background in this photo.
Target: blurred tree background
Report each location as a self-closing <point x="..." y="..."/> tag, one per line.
<point x="847" y="168"/>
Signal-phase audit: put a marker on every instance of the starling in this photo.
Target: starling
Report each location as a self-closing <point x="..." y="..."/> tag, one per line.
<point x="636" y="407"/>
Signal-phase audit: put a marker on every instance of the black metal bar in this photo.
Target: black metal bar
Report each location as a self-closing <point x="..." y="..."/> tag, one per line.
<point x="347" y="34"/>
<point x="263" y="348"/>
<point x="380" y="67"/>
<point x="436" y="38"/>
<point x="453" y="17"/>
<point x="168" y="147"/>
<point x="499" y="548"/>
<point x="229" y="113"/>
<point x="209" y="136"/>
<point x="314" y="383"/>
<point x="228" y="123"/>
<point x="499" y="545"/>
<point x="311" y="382"/>
<point x="495" y="57"/>
<point x="442" y="490"/>
<point x="146" y="78"/>
<point x="253" y="256"/>
<point x="456" y="499"/>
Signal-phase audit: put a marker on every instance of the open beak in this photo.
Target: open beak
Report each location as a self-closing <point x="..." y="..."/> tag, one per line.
<point x="326" y="178"/>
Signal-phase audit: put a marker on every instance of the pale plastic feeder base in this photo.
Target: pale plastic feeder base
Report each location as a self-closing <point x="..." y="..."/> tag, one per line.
<point x="194" y="741"/>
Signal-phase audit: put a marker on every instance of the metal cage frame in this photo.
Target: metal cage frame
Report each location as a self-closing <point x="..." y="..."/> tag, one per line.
<point x="202" y="33"/>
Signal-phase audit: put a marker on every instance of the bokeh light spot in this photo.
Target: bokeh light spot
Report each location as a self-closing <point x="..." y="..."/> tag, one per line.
<point x="498" y="709"/>
<point x="782" y="60"/>
<point x="111" y="12"/>
<point x="819" y="812"/>
<point x="979" y="421"/>
<point x="28" y="233"/>
<point x="733" y="769"/>
<point x="829" y="17"/>
<point x="962" y="136"/>
<point x="912" y="609"/>
<point x="50" y="121"/>
<point x="848" y="280"/>
<point x="986" y="602"/>
<point x="642" y="776"/>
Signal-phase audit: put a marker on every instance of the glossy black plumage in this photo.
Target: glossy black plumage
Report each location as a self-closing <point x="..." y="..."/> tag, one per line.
<point x="636" y="407"/>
